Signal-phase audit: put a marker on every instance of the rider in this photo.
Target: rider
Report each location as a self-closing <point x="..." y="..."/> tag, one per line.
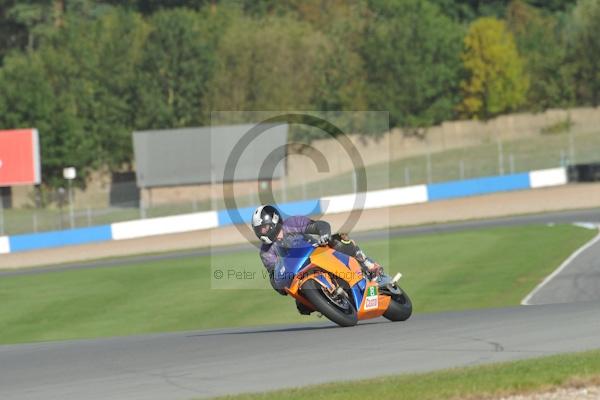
<point x="270" y="227"/>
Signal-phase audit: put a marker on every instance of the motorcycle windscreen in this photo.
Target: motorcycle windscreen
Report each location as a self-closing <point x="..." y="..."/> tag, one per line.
<point x="290" y="262"/>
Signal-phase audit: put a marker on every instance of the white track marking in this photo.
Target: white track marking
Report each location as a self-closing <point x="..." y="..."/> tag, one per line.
<point x="586" y="225"/>
<point x="565" y="264"/>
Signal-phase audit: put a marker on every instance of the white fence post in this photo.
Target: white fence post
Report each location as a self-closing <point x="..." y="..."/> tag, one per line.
<point x="429" y="168"/>
<point x="1" y="214"/>
<point x="500" y="158"/>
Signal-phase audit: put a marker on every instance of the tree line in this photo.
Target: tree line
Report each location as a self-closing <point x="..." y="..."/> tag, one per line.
<point x="88" y="73"/>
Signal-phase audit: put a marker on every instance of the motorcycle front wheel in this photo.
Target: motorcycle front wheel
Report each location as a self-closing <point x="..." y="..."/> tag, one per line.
<point x="400" y="308"/>
<point x="338" y="310"/>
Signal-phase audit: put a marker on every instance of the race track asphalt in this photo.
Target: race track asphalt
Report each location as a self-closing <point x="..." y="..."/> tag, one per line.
<point x="203" y="364"/>
<point x="578" y="279"/>
<point x="210" y="363"/>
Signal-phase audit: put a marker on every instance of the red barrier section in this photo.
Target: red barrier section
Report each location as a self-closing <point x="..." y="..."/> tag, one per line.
<point x="19" y="157"/>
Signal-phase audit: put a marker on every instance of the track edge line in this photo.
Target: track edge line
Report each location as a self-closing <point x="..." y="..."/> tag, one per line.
<point x="564" y="265"/>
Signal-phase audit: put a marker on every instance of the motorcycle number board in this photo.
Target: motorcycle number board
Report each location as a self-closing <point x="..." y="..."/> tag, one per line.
<point x="19" y="157"/>
<point x="372" y="299"/>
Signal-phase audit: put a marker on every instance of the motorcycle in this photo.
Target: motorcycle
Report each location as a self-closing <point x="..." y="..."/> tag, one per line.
<point x="333" y="283"/>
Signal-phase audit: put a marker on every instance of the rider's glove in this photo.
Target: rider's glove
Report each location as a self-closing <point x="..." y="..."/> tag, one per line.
<point x="323" y="239"/>
<point x="373" y="267"/>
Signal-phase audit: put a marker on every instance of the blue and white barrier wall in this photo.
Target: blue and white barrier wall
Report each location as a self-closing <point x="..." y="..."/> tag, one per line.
<point x="327" y="205"/>
<point x="548" y="177"/>
<point x="445" y="190"/>
<point x="43" y="240"/>
<point x="164" y="225"/>
<point x="374" y="199"/>
<point x="4" y="246"/>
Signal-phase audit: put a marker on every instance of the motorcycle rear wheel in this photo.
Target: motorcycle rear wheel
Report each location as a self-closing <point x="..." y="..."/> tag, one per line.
<point x="315" y="294"/>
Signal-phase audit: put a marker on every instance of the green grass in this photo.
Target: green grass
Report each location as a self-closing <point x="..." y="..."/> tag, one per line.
<point x="475" y="382"/>
<point x="452" y="271"/>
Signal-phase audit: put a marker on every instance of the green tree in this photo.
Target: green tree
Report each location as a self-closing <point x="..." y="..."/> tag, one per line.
<point x="176" y="69"/>
<point x="77" y="88"/>
<point x="540" y="38"/>
<point x="278" y="63"/>
<point x="13" y="35"/>
<point x="275" y="63"/>
<point x="468" y="10"/>
<point x="95" y="62"/>
<point x="411" y="54"/>
<point x="37" y="18"/>
<point x="118" y="39"/>
<point x="28" y="100"/>
<point x="496" y="81"/>
<point x="148" y="7"/>
<point x="29" y="22"/>
<point x="343" y="79"/>
<point x="553" y="5"/>
<point x="584" y="51"/>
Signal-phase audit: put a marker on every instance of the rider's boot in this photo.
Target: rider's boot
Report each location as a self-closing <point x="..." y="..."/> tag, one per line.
<point x="302" y="309"/>
<point x="375" y="273"/>
<point x="342" y="243"/>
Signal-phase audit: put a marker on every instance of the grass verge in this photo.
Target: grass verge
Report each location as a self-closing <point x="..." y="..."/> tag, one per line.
<point x="452" y="271"/>
<point x="491" y="381"/>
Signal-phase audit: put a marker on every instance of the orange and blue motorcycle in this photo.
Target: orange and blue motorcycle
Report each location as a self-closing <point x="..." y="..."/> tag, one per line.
<point x="333" y="283"/>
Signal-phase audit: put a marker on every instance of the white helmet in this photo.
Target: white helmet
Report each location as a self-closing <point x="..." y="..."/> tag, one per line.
<point x="267" y="223"/>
